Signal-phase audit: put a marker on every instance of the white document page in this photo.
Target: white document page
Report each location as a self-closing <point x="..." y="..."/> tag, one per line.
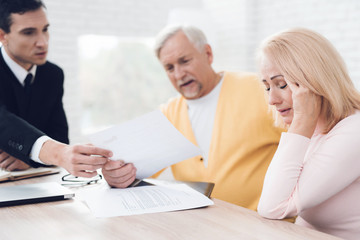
<point x="147" y="199"/>
<point x="150" y="142"/>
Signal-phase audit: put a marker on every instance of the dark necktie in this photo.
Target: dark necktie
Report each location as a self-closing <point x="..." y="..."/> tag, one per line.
<point x="27" y="84"/>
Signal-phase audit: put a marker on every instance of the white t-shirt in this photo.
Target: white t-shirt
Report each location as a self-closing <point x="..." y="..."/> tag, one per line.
<point x="202" y="115"/>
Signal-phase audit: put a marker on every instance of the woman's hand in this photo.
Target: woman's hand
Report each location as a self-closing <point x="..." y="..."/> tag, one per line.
<point x="306" y="108"/>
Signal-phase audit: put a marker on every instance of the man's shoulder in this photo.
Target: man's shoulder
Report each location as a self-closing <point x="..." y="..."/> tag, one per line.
<point x="173" y="105"/>
<point x="49" y="66"/>
<point x="241" y="76"/>
<point x="50" y="70"/>
<point x="241" y="80"/>
<point x="175" y="99"/>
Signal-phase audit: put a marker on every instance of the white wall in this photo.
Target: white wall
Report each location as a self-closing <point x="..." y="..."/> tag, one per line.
<point x="235" y="27"/>
<point x="242" y="24"/>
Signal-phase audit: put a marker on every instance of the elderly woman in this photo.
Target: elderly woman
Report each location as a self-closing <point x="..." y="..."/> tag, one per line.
<point x="315" y="173"/>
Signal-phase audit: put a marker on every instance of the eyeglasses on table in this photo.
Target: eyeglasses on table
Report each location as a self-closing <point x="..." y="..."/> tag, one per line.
<point x="71" y="180"/>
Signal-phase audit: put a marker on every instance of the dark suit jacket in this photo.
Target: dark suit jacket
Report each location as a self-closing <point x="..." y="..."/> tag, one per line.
<point x="43" y="110"/>
<point x="17" y="136"/>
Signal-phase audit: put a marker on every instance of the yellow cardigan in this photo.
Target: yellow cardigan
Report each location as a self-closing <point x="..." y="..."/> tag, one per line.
<point x="243" y="143"/>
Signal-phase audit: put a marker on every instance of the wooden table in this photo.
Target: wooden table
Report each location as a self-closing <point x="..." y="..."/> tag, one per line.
<point x="71" y="219"/>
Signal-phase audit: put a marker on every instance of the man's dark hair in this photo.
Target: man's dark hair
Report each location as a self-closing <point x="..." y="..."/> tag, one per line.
<point x="8" y="7"/>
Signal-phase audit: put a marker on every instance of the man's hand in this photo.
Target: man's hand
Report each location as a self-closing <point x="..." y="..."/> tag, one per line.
<point x="9" y="163"/>
<point x="118" y="174"/>
<point x="78" y="160"/>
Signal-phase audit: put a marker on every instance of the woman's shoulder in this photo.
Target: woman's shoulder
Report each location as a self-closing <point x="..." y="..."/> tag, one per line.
<point x="353" y="119"/>
<point x="350" y="123"/>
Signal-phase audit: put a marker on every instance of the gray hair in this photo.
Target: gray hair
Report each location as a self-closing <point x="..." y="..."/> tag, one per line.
<point x="195" y="36"/>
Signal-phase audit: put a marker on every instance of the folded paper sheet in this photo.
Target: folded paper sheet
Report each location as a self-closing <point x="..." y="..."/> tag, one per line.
<point x="150" y="142"/>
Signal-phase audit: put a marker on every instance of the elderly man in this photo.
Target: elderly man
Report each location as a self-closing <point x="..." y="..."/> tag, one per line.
<point x="224" y="113"/>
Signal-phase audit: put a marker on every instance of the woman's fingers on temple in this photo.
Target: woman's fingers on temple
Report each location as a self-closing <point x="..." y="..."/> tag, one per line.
<point x="292" y="85"/>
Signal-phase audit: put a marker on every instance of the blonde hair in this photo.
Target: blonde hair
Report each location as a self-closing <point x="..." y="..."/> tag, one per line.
<point x="306" y="57"/>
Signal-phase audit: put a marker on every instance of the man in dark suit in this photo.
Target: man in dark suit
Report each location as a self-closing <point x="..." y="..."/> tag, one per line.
<point x="32" y="88"/>
<point x="42" y="105"/>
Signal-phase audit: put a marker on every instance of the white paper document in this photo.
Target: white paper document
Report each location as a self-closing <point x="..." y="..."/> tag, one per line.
<point x="150" y="142"/>
<point x="147" y="199"/>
